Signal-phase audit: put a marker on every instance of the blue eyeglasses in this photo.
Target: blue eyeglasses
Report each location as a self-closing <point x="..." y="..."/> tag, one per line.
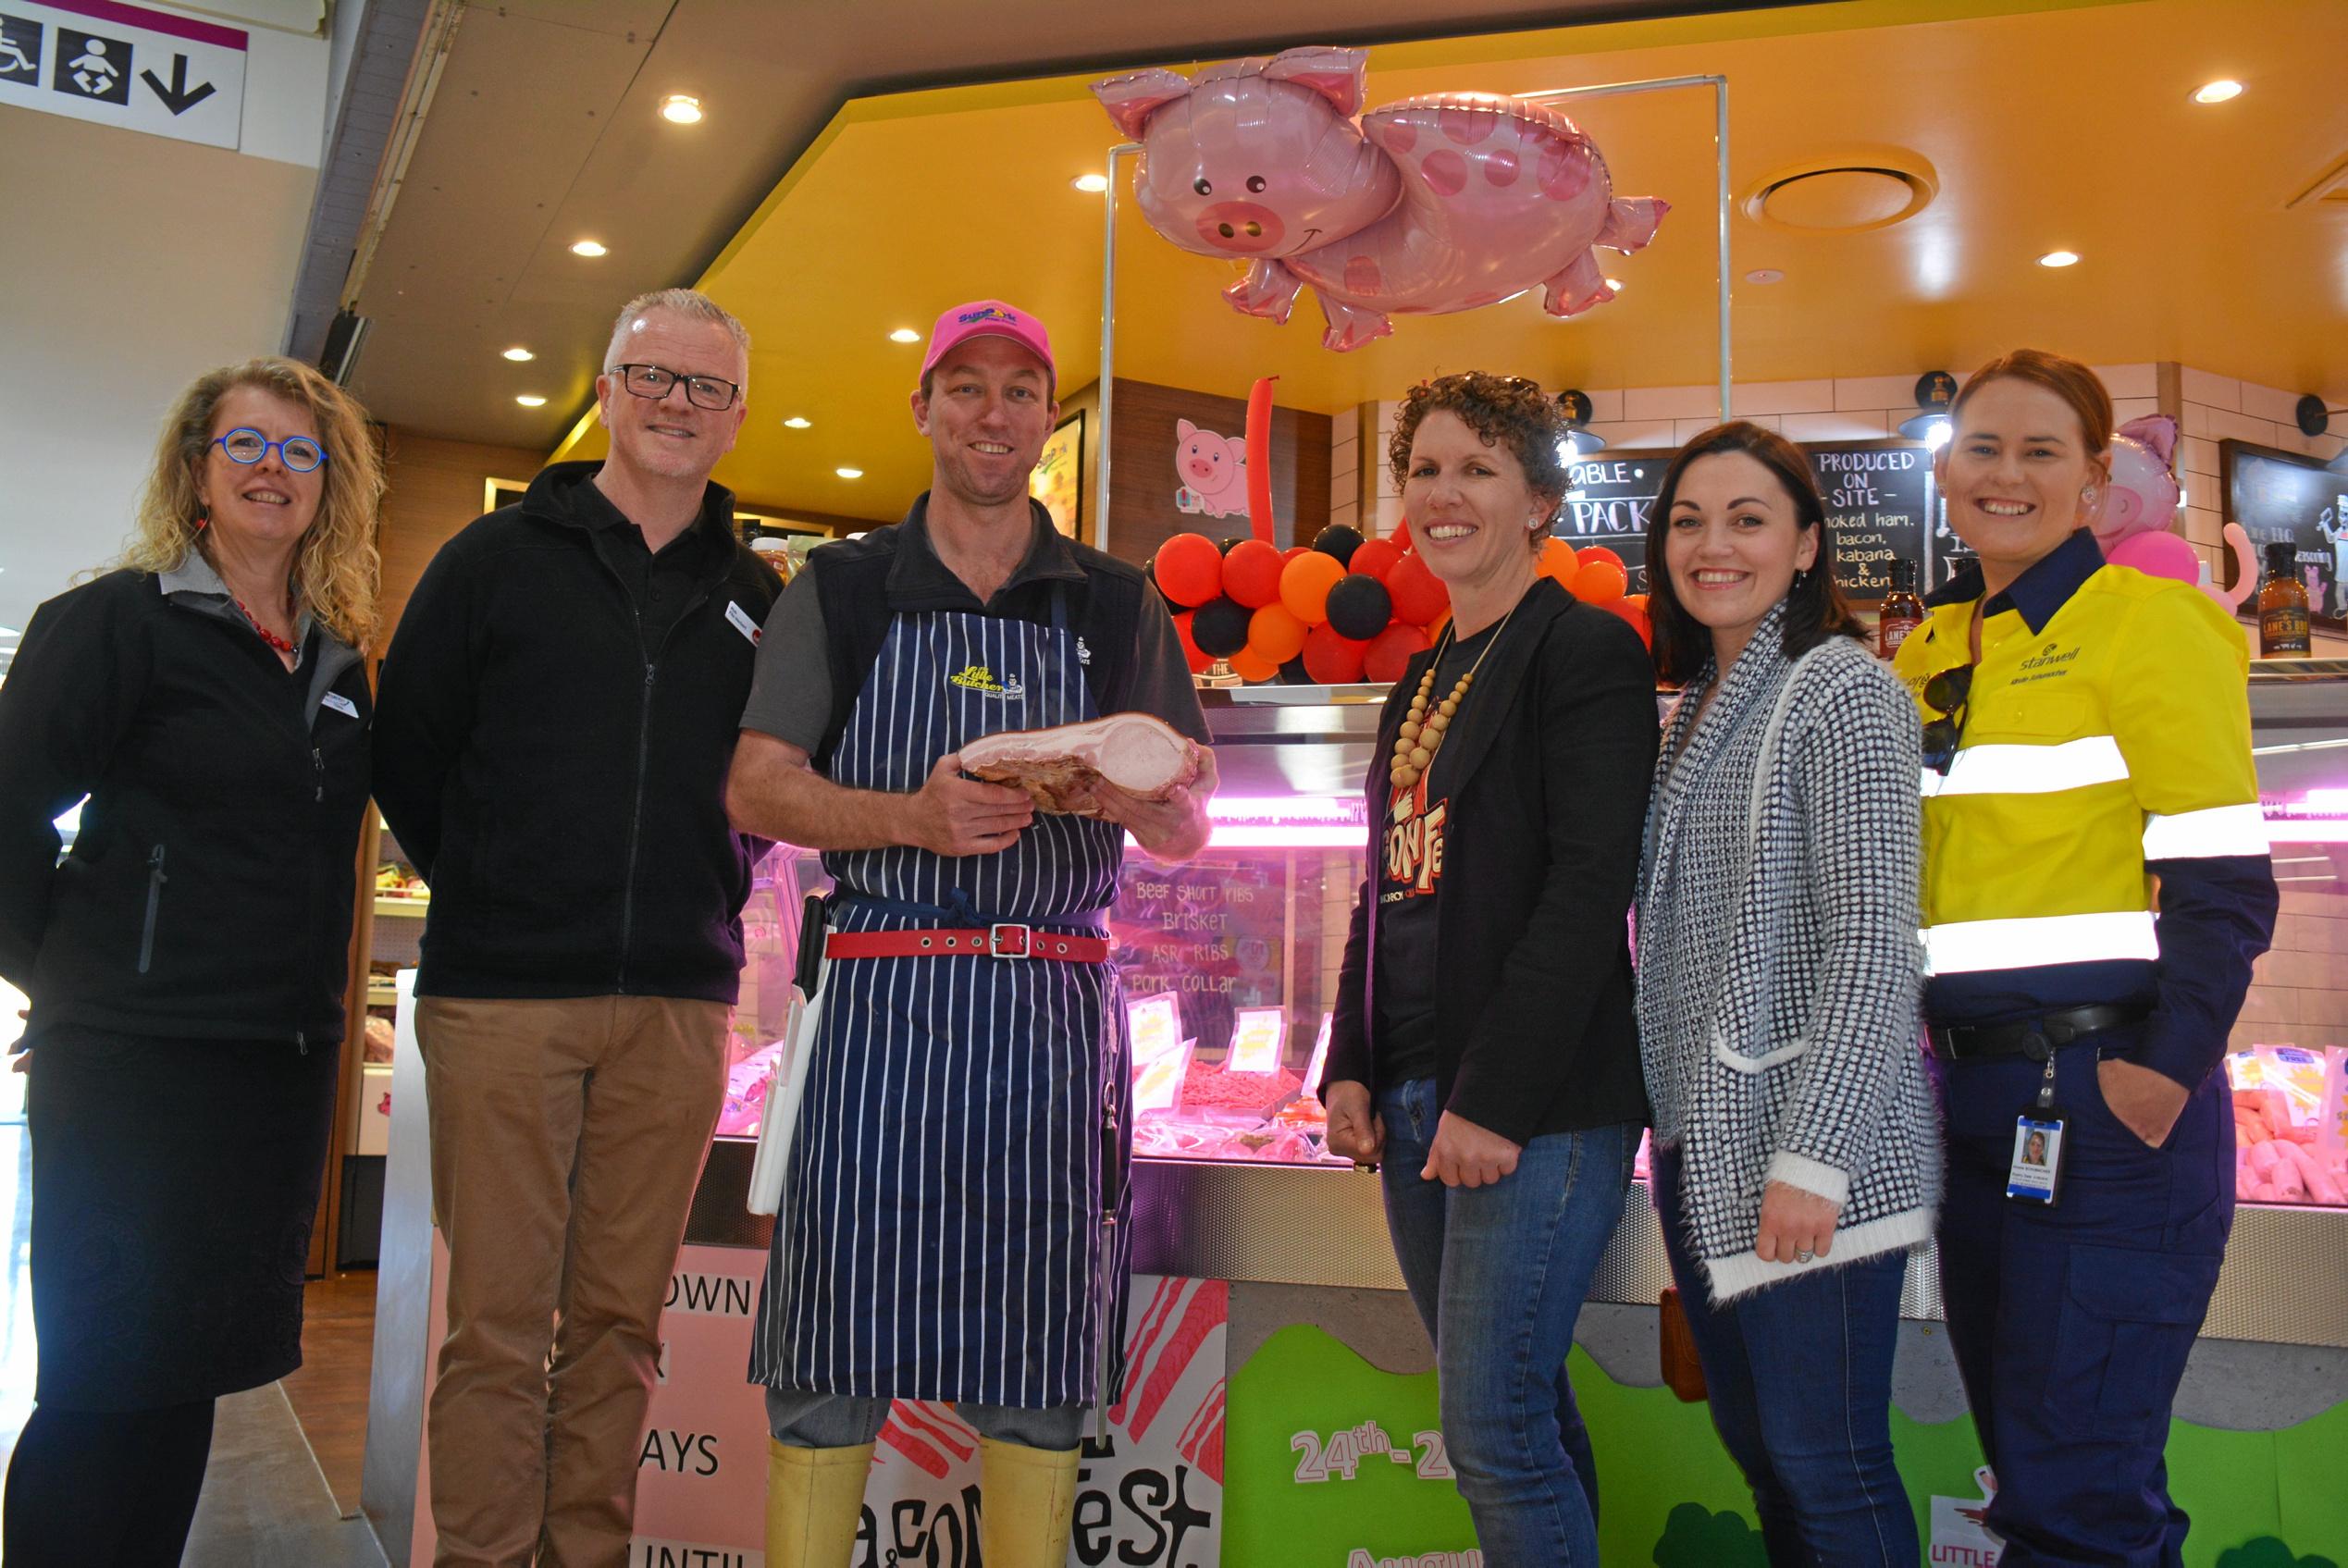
<point x="249" y="447"/>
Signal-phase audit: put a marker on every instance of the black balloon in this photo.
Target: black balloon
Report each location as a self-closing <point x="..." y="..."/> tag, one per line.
<point x="1233" y="543"/>
<point x="1359" y="607"/>
<point x="1339" y="541"/>
<point x="1293" y="673"/>
<point x="1219" y="627"/>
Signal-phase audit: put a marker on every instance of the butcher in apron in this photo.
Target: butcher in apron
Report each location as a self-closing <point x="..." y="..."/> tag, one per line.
<point x="952" y="1224"/>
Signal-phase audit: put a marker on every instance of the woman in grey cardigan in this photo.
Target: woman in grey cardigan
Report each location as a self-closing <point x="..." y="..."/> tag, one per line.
<point x="1796" y="1156"/>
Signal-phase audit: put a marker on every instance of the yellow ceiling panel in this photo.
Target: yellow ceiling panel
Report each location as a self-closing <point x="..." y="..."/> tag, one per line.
<point x="2046" y="127"/>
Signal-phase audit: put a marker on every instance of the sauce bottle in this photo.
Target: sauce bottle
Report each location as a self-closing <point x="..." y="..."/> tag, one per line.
<point x="2282" y="607"/>
<point x="1902" y="612"/>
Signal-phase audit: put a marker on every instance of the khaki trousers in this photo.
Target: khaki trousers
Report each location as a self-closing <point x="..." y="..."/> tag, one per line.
<point x="567" y="1137"/>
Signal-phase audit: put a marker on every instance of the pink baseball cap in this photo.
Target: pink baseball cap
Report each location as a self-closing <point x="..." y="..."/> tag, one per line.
<point x="988" y="318"/>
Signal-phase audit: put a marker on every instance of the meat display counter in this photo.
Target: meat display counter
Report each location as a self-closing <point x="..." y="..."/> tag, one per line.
<point x="1282" y="1407"/>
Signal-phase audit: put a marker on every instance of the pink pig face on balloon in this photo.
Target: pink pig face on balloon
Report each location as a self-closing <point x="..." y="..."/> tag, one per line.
<point x="1252" y="157"/>
<point x="2142" y="495"/>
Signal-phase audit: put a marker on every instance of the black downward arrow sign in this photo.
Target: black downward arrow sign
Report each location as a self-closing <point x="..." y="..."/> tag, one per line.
<point x="177" y="97"/>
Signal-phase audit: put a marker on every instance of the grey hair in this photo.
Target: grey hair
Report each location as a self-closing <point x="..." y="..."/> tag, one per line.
<point x="689" y="302"/>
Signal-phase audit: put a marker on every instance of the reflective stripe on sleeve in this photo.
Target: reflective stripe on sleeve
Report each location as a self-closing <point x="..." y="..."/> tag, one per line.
<point x="2031" y="769"/>
<point x="1968" y="946"/>
<point x="2220" y="830"/>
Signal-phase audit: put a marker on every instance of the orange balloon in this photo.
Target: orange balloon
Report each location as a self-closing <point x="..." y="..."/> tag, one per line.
<point x="1250" y="665"/>
<point x="1275" y="634"/>
<point x="1305" y="584"/>
<point x="1638" y="600"/>
<point x="1435" y="628"/>
<point x="1599" y="552"/>
<point x="1558" y="562"/>
<point x="1598" y="583"/>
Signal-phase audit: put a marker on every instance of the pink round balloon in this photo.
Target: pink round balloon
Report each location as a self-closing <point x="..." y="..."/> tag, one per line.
<point x="2141" y="496"/>
<point x="2158" y="555"/>
<point x="1433" y="204"/>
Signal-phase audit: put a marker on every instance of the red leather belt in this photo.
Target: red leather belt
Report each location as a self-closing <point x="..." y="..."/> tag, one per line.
<point x="998" y="942"/>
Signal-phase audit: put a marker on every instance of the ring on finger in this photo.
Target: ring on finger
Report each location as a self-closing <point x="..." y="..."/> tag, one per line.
<point x="1803" y="1255"/>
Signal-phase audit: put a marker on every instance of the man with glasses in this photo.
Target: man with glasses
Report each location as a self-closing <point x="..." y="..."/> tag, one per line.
<point x="552" y="733"/>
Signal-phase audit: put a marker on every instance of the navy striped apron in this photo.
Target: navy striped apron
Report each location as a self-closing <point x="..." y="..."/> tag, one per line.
<point x="942" y="1232"/>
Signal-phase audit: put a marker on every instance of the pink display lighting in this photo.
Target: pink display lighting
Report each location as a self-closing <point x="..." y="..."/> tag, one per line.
<point x="2320" y="815"/>
<point x="1300" y="822"/>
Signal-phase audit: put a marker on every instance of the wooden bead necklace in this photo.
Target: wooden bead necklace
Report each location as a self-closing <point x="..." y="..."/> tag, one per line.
<point x="1422" y="732"/>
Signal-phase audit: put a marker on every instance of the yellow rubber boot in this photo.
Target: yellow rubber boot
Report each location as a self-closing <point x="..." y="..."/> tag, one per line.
<point x="814" y="1500"/>
<point x="1027" y="1503"/>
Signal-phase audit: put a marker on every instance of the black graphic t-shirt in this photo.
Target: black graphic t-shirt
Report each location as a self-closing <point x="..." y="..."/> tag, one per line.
<point x="1411" y="866"/>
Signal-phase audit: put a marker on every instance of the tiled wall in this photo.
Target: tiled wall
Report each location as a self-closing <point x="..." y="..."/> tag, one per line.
<point x="1863" y="408"/>
<point x="2210" y="409"/>
<point x="2298" y="991"/>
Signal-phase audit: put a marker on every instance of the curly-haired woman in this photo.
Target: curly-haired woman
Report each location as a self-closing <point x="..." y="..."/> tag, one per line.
<point x="186" y="960"/>
<point x="1484" y="1048"/>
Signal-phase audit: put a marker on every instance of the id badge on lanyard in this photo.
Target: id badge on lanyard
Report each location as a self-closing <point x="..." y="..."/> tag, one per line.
<point x="2035" y="1176"/>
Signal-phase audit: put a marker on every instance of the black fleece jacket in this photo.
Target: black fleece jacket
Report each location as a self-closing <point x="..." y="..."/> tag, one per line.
<point x="209" y="891"/>
<point x="556" y="769"/>
<point x="1535" y="1028"/>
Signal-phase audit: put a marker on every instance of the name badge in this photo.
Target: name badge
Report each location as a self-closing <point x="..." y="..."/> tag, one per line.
<point x="342" y="704"/>
<point x="740" y="618"/>
<point x="2036" y="1172"/>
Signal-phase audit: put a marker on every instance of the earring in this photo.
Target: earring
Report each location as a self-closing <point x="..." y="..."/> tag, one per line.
<point x="1533" y="522"/>
<point x="2087" y="496"/>
<point x="203" y="523"/>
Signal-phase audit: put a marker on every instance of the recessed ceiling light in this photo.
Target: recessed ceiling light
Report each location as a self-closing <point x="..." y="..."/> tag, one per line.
<point x="905" y="335"/>
<point x="519" y="355"/>
<point x="2060" y="258"/>
<point x="681" y="108"/>
<point x="849" y="473"/>
<point x="1090" y="184"/>
<point x="1764" y="275"/>
<point x="796" y="422"/>
<point x="2216" y="92"/>
<point x="531" y="399"/>
<point x="589" y="248"/>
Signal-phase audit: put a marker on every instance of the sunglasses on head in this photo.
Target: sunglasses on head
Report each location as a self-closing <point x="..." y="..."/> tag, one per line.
<point x="1945" y="693"/>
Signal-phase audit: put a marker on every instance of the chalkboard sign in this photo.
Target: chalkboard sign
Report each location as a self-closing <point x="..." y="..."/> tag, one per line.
<point x="2283" y="498"/>
<point x="1879" y="497"/>
<point x="1210" y="931"/>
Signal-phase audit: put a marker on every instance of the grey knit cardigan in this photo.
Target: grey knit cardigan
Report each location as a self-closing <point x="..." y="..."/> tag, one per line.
<point x="1778" y="958"/>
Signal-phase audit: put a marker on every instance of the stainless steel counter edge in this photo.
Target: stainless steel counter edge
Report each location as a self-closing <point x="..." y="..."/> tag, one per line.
<point x="2285" y="1280"/>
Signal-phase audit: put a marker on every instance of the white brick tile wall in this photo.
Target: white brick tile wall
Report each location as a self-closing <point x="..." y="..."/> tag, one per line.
<point x="1653" y="404"/>
<point x="2130" y="380"/>
<point x="1852" y="424"/>
<point x="2215" y="392"/>
<point x="1784" y="397"/>
<point x="1879" y="392"/>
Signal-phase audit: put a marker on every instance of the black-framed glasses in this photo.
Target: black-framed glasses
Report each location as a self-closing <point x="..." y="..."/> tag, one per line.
<point x="1945" y="693"/>
<point x="712" y="393"/>
<point x="248" y="446"/>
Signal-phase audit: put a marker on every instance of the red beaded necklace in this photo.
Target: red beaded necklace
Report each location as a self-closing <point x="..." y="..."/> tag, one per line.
<point x="266" y="635"/>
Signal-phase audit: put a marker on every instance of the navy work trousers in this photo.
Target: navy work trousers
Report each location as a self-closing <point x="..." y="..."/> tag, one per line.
<point x="2071" y="1324"/>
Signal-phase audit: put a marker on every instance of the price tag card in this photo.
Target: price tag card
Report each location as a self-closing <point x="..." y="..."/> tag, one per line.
<point x="1157" y="1085"/>
<point x="1320" y="1060"/>
<point x="1256" y="1036"/>
<point x="1154" y="1024"/>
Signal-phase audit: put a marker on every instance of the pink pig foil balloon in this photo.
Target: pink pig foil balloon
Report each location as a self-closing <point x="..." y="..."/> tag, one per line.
<point x="2141" y="496"/>
<point x="1433" y="204"/>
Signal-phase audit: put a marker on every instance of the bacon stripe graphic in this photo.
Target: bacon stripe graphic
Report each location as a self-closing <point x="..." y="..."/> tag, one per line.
<point x="934" y="1421"/>
<point x="1202" y="1440"/>
<point x="914" y="1449"/>
<point x="1209" y="1308"/>
<point x="1145" y="1333"/>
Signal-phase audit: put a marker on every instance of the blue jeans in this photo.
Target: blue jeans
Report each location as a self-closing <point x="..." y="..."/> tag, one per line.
<point x="1498" y="1275"/>
<point x="1799" y="1375"/>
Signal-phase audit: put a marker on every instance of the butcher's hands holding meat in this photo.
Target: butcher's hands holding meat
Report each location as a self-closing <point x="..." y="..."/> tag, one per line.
<point x="953" y="815"/>
<point x="1171" y="830"/>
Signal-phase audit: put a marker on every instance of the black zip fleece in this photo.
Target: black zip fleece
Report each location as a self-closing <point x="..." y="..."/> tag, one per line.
<point x="209" y="891"/>
<point x="557" y="768"/>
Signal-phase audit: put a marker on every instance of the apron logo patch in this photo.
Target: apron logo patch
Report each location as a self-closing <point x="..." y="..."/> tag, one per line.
<point x="980" y="679"/>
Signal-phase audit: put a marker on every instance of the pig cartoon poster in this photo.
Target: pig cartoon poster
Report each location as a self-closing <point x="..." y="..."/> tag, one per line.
<point x="1211" y="470"/>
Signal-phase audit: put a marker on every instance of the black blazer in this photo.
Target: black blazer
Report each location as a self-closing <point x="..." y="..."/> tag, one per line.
<point x="1535" y="1026"/>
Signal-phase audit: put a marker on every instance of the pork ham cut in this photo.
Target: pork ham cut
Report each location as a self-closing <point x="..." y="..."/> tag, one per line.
<point x="1069" y="767"/>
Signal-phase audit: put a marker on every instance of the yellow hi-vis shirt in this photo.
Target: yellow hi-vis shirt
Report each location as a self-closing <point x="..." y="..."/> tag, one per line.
<point x="2106" y="736"/>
